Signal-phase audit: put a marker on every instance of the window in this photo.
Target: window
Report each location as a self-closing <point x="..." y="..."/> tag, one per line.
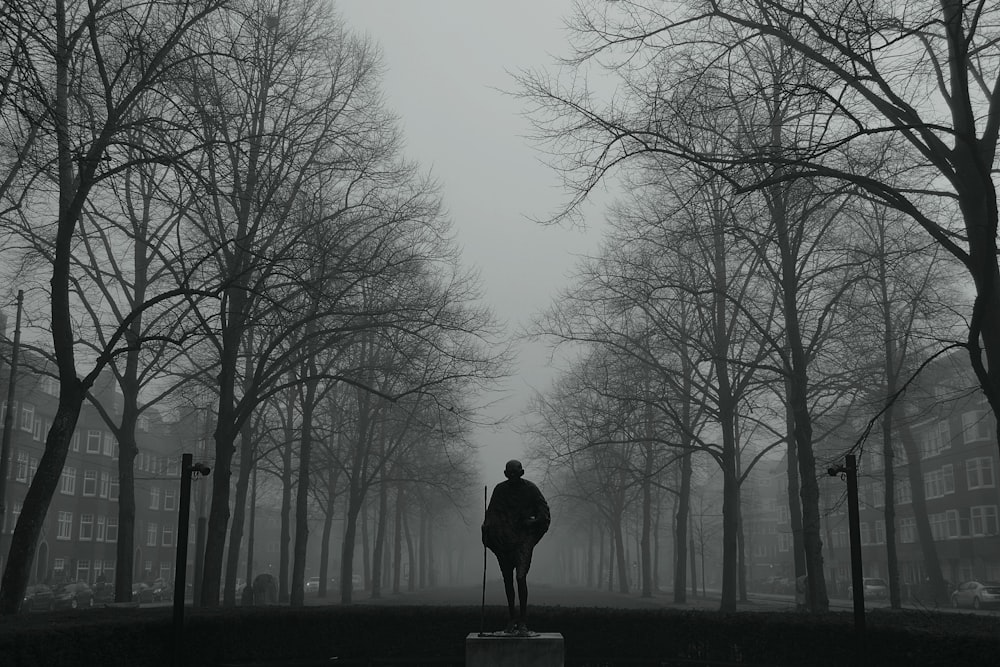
<point x="952" y="519"/>
<point x="984" y="520"/>
<point x="83" y="570"/>
<point x="866" y="533"/>
<point x="50" y="385"/>
<point x="168" y="536"/>
<point x="784" y="542"/>
<point x="908" y="530"/>
<point x="27" y="417"/>
<point x="105" y="484"/>
<point x="166" y="570"/>
<point x="102" y="528"/>
<point x="154" y="498"/>
<point x="975" y="427"/>
<point x="173" y="469"/>
<point x="152" y="532"/>
<point x="945" y="525"/>
<point x="979" y="472"/>
<point x="109" y="444"/>
<point x="112" y="529"/>
<point x="113" y="491"/>
<point x="90" y="483"/>
<point x="65" y="526"/>
<point x="880" y="531"/>
<point x="878" y="489"/>
<point x="21" y="473"/>
<point x="32" y="467"/>
<point x="68" y="481"/>
<point x="903" y="491"/>
<point x="940" y="482"/>
<point x="109" y="570"/>
<point x="86" y="527"/>
<point x="36" y="433"/>
<point x="153" y="464"/>
<point x="59" y="564"/>
<point x="76" y="441"/>
<point x="142" y="423"/>
<point x="93" y="442"/>
<point x="170" y="499"/>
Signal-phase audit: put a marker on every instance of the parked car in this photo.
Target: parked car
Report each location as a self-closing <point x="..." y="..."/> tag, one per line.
<point x="73" y="595"/>
<point x="142" y="592"/>
<point x="104" y="592"/>
<point x="976" y="594"/>
<point x="312" y="586"/>
<point x="874" y="587"/>
<point x="162" y="591"/>
<point x="37" y="597"/>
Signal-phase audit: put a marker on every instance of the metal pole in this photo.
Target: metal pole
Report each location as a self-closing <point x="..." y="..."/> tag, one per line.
<point x="854" y="521"/>
<point x="8" y="419"/>
<point x="482" y="617"/>
<point x="180" y="566"/>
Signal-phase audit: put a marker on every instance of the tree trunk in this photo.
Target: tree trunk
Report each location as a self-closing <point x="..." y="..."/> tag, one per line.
<point x="380" y="533"/>
<point x="247" y="465"/>
<point x="682" y="521"/>
<point x="619" y="545"/>
<point x="324" y="547"/>
<point x="645" y="550"/>
<point x="397" y="541"/>
<point x="285" y="538"/>
<point x="347" y="548"/>
<point x="938" y="590"/>
<point x="301" y="548"/>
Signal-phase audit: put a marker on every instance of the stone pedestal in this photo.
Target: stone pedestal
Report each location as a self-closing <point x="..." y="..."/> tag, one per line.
<point x="543" y="650"/>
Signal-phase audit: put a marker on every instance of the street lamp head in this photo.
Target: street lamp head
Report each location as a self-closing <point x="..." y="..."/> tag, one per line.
<point x="200" y="469"/>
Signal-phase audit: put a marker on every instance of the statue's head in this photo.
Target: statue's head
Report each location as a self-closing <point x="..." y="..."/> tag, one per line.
<point x="513" y="469"/>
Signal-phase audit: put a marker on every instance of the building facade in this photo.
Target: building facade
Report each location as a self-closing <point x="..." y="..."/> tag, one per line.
<point x="80" y="533"/>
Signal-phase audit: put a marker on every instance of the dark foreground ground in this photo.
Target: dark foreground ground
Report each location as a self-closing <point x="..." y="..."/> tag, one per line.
<point x="399" y="633"/>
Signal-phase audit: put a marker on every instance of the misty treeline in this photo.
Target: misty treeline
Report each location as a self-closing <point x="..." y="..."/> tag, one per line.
<point x="208" y="200"/>
<point x="809" y="186"/>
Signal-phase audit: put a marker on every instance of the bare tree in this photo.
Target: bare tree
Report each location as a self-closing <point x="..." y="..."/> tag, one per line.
<point x="82" y="76"/>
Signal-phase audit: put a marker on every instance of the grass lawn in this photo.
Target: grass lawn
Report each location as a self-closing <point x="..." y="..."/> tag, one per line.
<point x="435" y="635"/>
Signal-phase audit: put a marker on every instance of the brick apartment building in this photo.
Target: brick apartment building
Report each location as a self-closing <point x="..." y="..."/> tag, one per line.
<point x="80" y="533"/>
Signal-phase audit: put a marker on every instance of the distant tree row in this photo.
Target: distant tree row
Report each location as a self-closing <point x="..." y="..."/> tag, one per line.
<point x="208" y="199"/>
<point x="809" y="184"/>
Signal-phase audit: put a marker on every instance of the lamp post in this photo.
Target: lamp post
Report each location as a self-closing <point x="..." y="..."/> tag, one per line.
<point x="849" y="473"/>
<point x="8" y="419"/>
<point x="188" y="470"/>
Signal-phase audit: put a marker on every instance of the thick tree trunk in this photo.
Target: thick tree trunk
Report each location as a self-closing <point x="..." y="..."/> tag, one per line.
<point x="354" y="501"/>
<point x="381" y="522"/>
<point x="682" y="521"/>
<point x="324" y="546"/>
<point x="622" y="562"/>
<point x="794" y="505"/>
<point x="301" y="547"/>
<point x="247" y="465"/>
<point x="397" y="541"/>
<point x="285" y="538"/>
<point x="938" y="592"/>
<point x="645" y="550"/>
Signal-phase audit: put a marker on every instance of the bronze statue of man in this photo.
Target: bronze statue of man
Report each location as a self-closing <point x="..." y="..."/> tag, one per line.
<point x="516" y="518"/>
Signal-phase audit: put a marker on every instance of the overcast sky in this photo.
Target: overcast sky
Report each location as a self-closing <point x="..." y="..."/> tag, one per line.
<point x="446" y="62"/>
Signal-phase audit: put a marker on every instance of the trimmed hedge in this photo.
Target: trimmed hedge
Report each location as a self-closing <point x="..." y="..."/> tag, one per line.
<point x="436" y="635"/>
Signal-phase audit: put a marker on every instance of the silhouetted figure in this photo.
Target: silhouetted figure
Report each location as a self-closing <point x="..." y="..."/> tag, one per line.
<point x="516" y="518"/>
<point x="265" y="589"/>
